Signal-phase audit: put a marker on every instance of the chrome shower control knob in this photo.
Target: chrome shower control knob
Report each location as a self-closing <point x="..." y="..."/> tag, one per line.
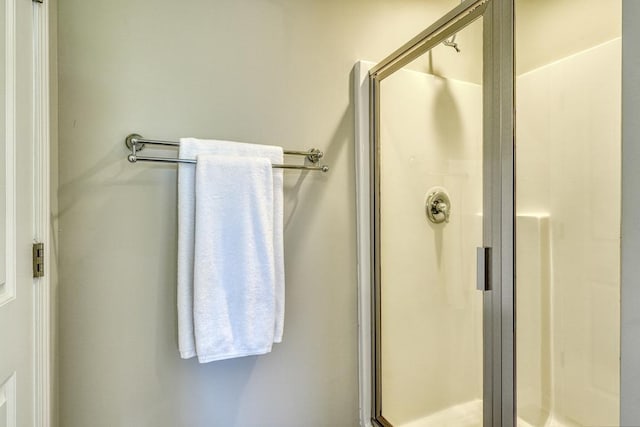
<point x="438" y="205"/>
<point x="441" y="207"/>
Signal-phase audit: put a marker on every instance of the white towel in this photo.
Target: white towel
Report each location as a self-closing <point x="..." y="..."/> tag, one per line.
<point x="189" y="149"/>
<point x="234" y="271"/>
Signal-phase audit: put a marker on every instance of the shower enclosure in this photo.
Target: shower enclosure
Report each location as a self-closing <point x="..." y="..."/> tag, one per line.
<point x="490" y="297"/>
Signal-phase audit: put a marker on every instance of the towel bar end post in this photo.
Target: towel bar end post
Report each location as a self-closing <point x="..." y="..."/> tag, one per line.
<point x="132" y="141"/>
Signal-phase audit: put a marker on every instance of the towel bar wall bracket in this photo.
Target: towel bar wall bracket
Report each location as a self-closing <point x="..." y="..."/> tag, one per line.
<point x="136" y="143"/>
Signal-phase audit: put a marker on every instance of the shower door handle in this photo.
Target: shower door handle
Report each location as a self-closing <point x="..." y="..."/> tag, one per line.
<point x="483" y="259"/>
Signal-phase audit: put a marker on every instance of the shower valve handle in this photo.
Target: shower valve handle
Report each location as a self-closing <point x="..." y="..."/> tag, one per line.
<point x="440" y="211"/>
<point x="442" y="207"/>
<point x="438" y="206"/>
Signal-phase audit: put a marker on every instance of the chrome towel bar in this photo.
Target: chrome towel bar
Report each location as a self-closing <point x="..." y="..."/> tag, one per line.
<point x="136" y="143"/>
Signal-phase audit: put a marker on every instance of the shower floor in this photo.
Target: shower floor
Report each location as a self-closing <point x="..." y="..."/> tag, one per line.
<point x="469" y="414"/>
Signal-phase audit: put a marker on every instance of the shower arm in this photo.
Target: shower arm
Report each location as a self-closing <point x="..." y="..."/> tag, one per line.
<point x="452" y="41"/>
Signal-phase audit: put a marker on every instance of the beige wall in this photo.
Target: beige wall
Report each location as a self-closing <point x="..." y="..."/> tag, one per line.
<point x="273" y="72"/>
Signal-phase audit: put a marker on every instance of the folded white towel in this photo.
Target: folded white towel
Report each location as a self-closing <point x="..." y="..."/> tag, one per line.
<point x="234" y="272"/>
<point x="189" y="149"/>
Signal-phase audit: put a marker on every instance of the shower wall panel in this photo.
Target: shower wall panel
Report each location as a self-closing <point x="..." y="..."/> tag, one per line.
<point x="568" y="168"/>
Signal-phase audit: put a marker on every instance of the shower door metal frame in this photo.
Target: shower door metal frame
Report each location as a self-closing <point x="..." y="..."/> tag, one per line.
<point x="499" y="393"/>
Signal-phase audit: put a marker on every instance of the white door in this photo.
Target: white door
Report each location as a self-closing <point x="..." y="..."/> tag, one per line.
<point x="17" y="354"/>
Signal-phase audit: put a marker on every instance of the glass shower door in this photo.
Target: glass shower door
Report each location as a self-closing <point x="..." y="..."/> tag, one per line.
<point x="430" y="226"/>
<point x="436" y="160"/>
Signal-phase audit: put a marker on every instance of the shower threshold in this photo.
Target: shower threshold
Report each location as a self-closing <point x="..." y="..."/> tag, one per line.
<point x="469" y="414"/>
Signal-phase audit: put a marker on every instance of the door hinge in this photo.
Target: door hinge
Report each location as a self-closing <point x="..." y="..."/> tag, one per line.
<point x="38" y="259"/>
